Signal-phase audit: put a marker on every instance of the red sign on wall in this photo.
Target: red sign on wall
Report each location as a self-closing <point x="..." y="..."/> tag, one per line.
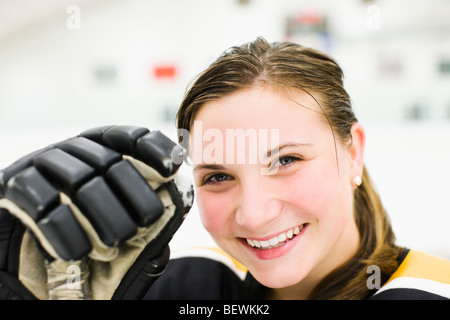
<point x="166" y="71"/>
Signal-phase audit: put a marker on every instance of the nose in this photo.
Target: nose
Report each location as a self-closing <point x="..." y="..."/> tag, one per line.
<point x="258" y="205"/>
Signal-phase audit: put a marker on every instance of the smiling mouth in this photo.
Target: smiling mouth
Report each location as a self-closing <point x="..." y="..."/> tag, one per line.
<point x="276" y="241"/>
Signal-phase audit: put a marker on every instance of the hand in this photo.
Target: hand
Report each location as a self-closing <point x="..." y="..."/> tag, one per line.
<point x="91" y="217"/>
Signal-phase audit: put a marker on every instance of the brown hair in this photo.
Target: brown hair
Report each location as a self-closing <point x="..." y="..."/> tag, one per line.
<point x="290" y="65"/>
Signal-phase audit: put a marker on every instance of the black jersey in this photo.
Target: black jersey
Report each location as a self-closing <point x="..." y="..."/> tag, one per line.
<point x="211" y="274"/>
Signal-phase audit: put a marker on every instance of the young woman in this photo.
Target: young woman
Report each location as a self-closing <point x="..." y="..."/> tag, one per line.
<point x="278" y="162"/>
<point x="304" y="220"/>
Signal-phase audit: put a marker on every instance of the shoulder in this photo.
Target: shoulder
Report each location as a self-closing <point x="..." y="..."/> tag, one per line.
<point x="200" y="273"/>
<point x="420" y="276"/>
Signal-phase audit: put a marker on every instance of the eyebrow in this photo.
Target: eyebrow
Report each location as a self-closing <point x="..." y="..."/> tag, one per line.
<point x="209" y="166"/>
<point x="287" y="145"/>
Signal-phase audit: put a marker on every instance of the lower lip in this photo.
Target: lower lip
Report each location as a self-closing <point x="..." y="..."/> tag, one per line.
<point x="266" y="254"/>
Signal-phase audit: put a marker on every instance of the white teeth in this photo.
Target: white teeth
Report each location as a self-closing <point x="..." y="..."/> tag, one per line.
<point x="273" y="241"/>
<point x="264" y="244"/>
<point x="290" y="233"/>
<point x="277" y="241"/>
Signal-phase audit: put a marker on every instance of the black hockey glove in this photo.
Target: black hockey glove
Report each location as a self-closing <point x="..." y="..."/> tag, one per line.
<point x="91" y="217"/>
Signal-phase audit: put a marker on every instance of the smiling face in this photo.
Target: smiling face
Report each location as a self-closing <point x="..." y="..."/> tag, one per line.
<point x="288" y="217"/>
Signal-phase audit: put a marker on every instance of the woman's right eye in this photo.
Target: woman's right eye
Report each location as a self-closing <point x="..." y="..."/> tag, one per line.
<point x="216" y="178"/>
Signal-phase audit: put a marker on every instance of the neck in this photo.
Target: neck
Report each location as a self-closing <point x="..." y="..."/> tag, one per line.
<point x="299" y="291"/>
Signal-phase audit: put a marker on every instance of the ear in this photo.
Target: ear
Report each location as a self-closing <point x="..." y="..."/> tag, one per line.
<point x="356" y="149"/>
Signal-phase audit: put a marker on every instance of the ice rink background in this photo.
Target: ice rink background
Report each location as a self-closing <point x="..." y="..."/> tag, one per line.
<point x="66" y="66"/>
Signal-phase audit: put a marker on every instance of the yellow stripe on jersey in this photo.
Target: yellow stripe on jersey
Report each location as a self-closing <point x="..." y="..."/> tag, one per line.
<point x="423" y="272"/>
<point x="212" y="253"/>
<point x="423" y="266"/>
<point x="236" y="263"/>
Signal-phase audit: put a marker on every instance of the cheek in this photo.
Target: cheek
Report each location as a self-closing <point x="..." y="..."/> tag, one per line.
<point x="214" y="212"/>
<point x="319" y="193"/>
<point x="306" y="189"/>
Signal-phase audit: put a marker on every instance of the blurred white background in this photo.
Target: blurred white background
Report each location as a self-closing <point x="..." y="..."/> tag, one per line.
<point x="66" y="66"/>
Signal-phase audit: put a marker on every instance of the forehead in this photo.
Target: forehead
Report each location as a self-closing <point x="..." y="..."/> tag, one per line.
<point x="263" y="107"/>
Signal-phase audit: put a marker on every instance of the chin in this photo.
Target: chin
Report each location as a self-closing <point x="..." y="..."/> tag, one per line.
<point x="276" y="279"/>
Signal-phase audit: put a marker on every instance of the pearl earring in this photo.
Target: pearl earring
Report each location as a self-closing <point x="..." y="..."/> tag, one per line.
<point x="357" y="180"/>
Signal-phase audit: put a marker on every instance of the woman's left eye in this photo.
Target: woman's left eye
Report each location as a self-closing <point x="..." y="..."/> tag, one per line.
<point x="285" y="161"/>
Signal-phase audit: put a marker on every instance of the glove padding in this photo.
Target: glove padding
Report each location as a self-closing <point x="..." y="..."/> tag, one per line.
<point x="103" y="207"/>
